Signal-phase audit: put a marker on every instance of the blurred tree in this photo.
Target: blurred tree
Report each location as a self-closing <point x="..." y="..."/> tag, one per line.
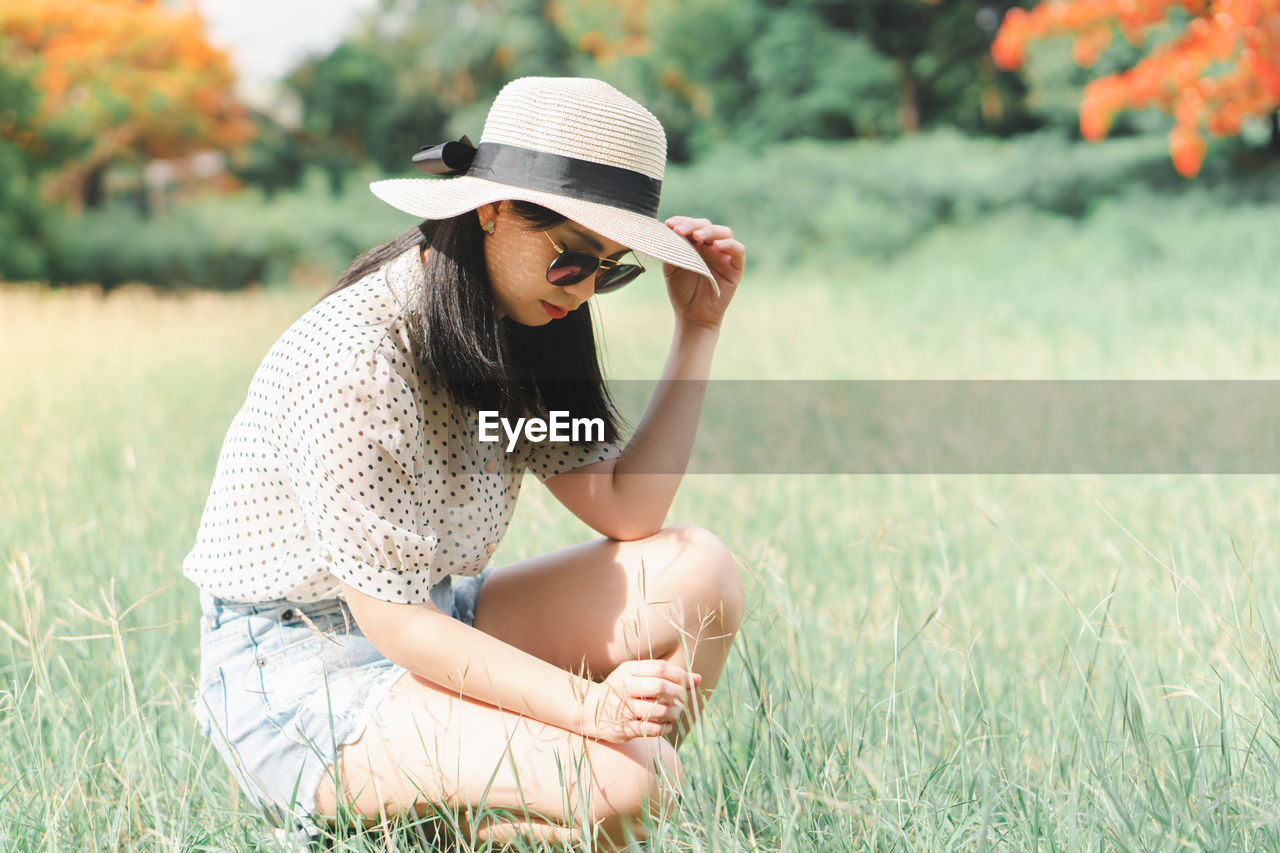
<point x="813" y="80"/>
<point x="688" y="63"/>
<point x="1221" y="67"/>
<point x="939" y="51"/>
<point x="768" y="70"/>
<point x="416" y="72"/>
<point x="733" y="70"/>
<point x="274" y="160"/>
<point x="344" y="95"/>
<point x="27" y="151"/>
<point x="133" y="77"/>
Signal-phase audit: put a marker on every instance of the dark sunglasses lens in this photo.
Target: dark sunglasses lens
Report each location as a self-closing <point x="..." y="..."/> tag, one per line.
<point x="615" y="277"/>
<point x="571" y="268"/>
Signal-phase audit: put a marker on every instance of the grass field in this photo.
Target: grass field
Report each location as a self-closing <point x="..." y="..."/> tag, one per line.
<point x="962" y="662"/>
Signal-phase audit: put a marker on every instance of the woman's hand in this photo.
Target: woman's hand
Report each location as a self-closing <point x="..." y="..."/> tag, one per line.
<point x="641" y="698"/>
<point x="692" y="295"/>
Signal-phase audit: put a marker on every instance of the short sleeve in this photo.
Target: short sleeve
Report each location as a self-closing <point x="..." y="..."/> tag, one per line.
<point x="351" y="435"/>
<point x="547" y="458"/>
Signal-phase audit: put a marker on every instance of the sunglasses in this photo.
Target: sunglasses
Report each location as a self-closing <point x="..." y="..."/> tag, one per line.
<point x="572" y="267"/>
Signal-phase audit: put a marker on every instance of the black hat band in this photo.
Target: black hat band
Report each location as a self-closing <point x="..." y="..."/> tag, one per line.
<point x="568" y="176"/>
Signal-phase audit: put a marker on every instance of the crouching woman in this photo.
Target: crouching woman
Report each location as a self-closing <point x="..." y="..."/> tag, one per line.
<point x="359" y="655"/>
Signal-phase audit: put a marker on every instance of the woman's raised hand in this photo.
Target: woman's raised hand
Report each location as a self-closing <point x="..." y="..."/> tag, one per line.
<point x="692" y="295"/>
<point x="641" y="698"/>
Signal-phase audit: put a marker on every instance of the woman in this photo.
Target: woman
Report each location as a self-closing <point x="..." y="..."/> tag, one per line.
<point x="358" y="656"/>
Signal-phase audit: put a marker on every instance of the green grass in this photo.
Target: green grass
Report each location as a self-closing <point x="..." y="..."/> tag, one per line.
<point x="963" y="662"/>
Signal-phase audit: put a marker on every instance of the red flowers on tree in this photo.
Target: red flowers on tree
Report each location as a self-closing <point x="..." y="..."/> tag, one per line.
<point x="1223" y="67"/>
<point x="134" y="77"/>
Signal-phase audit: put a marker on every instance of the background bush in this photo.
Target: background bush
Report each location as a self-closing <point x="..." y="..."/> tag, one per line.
<point x="835" y="202"/>
<point x="226" y="243"/>
<point x="805" y="201"/>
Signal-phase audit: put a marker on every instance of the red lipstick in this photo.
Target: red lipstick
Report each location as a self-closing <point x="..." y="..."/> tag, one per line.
<point x="554" y="310"/>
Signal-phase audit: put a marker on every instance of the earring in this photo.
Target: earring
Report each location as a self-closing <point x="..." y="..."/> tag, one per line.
<point x="488" y="227"/>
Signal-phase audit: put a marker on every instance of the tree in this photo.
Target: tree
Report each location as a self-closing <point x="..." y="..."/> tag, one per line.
<point x="939" y="50"/>
<point x="134" y="78"/>
<point x="274" y="161"/>
<point x="416" y="72"/>
<point x="25" y="222"/>
<point x="1220" y="68"/>
<point x="760" y="71"/>
<point x="345" y="96"/>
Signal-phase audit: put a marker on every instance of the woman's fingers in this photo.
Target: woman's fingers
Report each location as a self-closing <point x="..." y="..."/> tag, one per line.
<point x="658" y="668"/>
<point x="700" y="230"/>
<point x="711" y="234"/>
<point x="653" y="729"/>
<point x="647" y="709"/>
<point x="734" y="251"/>
<point x="640" y="698"/>
<point x="650" y="692"/>
<point x="686" y="224"/>
<point x="656" y="688"/>
<point x="706" y="233"/>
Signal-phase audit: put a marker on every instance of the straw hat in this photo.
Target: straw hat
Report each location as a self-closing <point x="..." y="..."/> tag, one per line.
<point x="575" y="145"/>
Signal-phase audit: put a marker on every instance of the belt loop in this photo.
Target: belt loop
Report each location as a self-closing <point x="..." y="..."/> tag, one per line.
<point x="212" y="607"/>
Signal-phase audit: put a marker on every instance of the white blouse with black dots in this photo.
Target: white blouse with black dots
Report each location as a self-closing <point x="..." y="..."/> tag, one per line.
<point x="342" y="465"/>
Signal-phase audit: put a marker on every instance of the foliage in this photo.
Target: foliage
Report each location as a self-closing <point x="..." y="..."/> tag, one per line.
<point x="750" y="71"/>
<point x="1220" y="69"/>
<point x="940" y="52"/>
<point x="21" y="213"/>
<point x="344" y="96"/>
<point x="274" y="160"/>
<point x="132" y="78"/>
<point x="760" y="71"/>
<point x="804" y="201"/>
<point x="409" y="75"/>
<point x="737" y="71"/>
<point x="846" y="202"/>
<point x="225" y="243"/>
<point x="24" y="156"/>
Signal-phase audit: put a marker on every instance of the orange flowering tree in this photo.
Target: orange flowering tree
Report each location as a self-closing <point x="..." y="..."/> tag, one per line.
<point x="135" y="78"/>
<point x="1220" y="69"/>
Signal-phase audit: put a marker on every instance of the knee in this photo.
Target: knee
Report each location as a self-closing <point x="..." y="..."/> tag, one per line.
<point x="709" y="568"/>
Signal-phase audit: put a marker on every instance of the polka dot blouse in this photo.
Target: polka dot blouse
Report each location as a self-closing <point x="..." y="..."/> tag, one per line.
<point x="343" y="465"/>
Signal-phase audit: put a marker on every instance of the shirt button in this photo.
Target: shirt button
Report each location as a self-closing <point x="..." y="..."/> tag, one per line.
<point x="490" y="466"/>
<point x="286" y="616"/>
<point x="491" y="547"/>
<point x="326" y="555"/>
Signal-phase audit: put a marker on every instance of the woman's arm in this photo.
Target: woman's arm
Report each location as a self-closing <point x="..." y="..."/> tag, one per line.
<point x="638" y="699"/>
<point x="628" y="497"/>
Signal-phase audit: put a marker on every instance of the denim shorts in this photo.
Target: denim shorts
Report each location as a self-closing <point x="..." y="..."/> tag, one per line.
<point x="284" y="684"/>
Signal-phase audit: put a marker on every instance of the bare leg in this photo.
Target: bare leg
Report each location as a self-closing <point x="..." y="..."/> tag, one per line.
<point x="676" y="595"/>
<point x="587" y="608"/>
<point x="428" y="747"/>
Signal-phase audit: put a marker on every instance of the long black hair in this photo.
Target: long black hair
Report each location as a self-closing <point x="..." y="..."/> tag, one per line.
<point x="481" y="361"/>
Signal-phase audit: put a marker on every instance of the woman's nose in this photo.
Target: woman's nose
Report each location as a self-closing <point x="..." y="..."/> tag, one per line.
<point x="584" y="289"/>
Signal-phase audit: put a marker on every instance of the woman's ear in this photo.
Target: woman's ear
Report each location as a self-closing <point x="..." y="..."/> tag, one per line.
<point x="487" y="213"/>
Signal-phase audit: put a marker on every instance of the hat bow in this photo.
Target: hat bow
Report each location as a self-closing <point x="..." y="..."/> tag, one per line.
<point x="447" y="158"/>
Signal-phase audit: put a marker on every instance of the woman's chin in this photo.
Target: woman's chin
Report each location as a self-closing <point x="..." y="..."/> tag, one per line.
<point x="525" y="314"/>
<point x="536" y="314"/>
<point x="536" y="317"/>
